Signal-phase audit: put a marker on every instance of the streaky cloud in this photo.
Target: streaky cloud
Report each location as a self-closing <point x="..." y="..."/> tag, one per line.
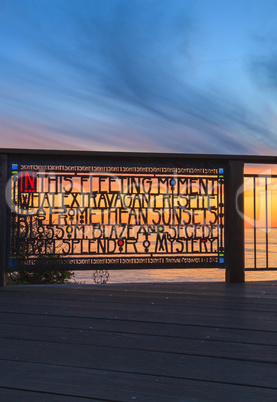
<point x="121" y="75"/>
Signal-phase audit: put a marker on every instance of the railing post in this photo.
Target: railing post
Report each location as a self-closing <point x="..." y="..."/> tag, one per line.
<point x="3" y="219"/>
<point x="235" y="222"/>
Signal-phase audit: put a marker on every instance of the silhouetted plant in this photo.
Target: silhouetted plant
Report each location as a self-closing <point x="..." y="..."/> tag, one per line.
<point x="37" y="277"/>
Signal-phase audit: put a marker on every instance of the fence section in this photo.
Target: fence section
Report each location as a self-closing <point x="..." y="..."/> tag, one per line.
<point x="261" y="231"/>
<point x="93" y="210"/>
<point x="116" y="213"/>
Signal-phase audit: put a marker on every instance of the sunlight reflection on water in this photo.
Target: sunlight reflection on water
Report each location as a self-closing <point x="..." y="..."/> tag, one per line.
<point x="156" y="275"/>
<point x="194" y="275"/>
<point x="171" y="275"/>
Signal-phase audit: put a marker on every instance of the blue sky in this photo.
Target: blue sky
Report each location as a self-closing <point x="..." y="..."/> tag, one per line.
<point x="195" y="76"/>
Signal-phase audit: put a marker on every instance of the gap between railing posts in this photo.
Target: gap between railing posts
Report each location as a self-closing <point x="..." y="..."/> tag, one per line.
<point x="234" y="240"/>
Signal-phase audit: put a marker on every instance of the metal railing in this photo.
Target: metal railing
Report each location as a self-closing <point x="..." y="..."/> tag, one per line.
<point x="262" y="209"/>
<point x="172" y="195"/>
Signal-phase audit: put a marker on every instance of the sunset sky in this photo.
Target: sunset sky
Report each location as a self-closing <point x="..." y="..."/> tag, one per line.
<point x="179" y="76"/>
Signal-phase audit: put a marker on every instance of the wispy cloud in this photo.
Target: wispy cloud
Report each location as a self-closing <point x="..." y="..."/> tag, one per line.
<point x="118" y="75"/>
<point x="264" y="72"/>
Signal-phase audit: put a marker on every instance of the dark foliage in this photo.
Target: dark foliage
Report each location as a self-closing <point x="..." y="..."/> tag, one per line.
<point x="39" y="277"/>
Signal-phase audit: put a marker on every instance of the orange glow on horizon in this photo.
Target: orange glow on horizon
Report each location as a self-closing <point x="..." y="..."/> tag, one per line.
<point x="261" y="202"/>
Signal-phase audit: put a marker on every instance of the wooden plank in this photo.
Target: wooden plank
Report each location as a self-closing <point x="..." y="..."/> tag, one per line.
<point x="229" y="291"/>
<point x="187" y="344"/>
<point x="16" y="395"/>
<point x="141" y="362"/>
<point x="114" y="301"/>
<point x="211" y="306"/>
<point x="176" y="290"/>
<point x="220" y="320"/>
<point x="179" y="320"/>
<point x="207" y="307"/>
<point x="21" y="325"/>
<point x="108" y="385"/>
<point x="225" y="351"/>
<point x="82" y="325"/>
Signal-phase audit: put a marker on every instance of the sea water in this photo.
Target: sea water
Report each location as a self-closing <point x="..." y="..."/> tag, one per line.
<point x="200" y="274"/>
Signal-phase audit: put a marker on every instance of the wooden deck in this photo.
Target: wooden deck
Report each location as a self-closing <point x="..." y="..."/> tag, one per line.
<point x="152" y="342"/>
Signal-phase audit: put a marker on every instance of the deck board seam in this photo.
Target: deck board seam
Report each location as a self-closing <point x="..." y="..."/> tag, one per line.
<point x="157" y="352"/>
<point x="188" y="306"/>
<point x="144" y="322"/>
<point x="62" y="342"/>
<point x="57" y="394"/>
<point x="145" y="374"/>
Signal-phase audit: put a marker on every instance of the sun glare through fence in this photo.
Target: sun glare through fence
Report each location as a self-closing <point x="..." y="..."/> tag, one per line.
<point x="260" y="201"/>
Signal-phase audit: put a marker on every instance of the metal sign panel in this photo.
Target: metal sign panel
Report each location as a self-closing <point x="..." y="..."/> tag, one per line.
<point x="115" y="214"/>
